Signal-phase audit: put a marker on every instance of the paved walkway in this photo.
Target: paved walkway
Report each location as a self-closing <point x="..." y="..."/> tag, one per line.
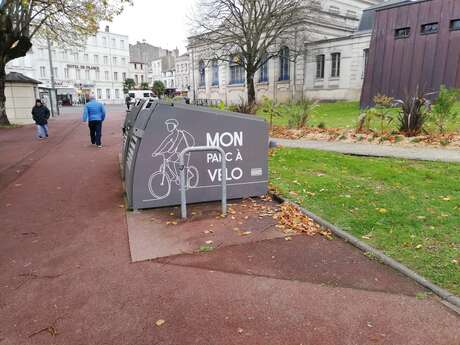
<point x="65" y="267"/>
<point x="427" y="154"/>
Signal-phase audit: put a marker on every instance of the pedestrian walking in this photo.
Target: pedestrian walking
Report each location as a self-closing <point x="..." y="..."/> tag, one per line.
<point x="128" y="101"/>
<point x="94" y="113"/>
<point x="41" y="114"/>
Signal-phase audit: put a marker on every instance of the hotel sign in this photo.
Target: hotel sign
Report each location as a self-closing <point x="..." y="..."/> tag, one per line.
<point x="96" y="68"/>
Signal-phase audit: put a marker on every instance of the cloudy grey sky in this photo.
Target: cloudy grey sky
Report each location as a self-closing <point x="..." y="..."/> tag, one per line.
<point x="161" y="22"/>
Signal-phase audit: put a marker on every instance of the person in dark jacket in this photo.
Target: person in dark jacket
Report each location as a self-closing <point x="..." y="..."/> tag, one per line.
<point x="128" y="101"/>
<point x="94" y="113"/>
<point x="41" y="114"/>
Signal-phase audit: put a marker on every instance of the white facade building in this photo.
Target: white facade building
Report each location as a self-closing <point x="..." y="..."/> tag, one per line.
<point x="139" y="72"/>
<point x="334" y="68"/>
<point x="183" y="73"/>
<point x="98" y="68"/>
<point x="331" y="28"/>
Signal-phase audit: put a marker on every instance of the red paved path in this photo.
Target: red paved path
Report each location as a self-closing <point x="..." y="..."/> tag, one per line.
<point x="64" y="261"/>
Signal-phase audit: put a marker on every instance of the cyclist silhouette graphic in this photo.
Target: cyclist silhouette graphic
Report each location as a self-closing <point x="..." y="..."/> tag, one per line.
<point x="170" y="149"/>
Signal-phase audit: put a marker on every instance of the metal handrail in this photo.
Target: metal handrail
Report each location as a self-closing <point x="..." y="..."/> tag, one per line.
<point x="183" y="182"/>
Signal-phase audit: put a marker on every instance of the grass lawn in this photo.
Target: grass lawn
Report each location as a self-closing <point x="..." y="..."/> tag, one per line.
<point x="343" y="115"/>
<point x="408" y="209"/>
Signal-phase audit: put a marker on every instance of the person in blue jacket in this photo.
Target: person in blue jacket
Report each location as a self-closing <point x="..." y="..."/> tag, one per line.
<point x="94" y="113"/>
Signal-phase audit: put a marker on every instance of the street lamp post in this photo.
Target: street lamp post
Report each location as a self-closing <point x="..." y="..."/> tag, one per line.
<point x="53" y="82"/>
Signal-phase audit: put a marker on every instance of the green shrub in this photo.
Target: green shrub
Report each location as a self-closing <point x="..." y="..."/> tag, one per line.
<point x="269" y="108"/>
<point x="382" y="112"/>
<point x="443" y="110"/>
<point x="299" y="112"/>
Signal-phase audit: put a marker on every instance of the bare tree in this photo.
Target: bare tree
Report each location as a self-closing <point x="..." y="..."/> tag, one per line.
<point x="69" y="21"/>
<point x="250" y="32"/>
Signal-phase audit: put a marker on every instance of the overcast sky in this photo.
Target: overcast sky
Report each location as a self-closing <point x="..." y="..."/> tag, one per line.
<point x="161" y="22"/>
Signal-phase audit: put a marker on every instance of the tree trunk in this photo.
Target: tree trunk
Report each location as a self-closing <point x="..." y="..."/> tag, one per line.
<point x="3" y="117"/>
<point x="251" y="89"/>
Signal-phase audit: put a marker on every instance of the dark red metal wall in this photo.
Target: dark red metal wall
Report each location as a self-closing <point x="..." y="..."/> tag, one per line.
<point x="397" y="67"/>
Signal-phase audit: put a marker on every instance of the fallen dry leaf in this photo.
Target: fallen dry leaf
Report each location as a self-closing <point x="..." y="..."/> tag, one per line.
<point x="160" y="322"/>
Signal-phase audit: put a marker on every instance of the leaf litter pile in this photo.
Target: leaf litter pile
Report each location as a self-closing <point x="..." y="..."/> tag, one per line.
<point x="289" y="217"/>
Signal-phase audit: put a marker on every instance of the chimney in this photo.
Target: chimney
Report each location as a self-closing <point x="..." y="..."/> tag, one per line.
<point x="106" y="28"/>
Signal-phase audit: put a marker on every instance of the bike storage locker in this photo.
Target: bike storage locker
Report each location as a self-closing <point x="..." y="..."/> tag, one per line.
<point x="130" y="119"/>
<point x="162" y="131"/>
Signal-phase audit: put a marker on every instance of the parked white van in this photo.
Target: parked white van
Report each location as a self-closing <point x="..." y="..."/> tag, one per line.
<point x="141" y="94"/>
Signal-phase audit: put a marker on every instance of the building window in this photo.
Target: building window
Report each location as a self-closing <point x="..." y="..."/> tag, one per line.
<point x="86" y="57"/>
<point x="142" y="67"/>
<point x="334" y="9"/>
<point x="107" y="93"/>
<point x="263" y="77"/>
<point x="136" y="78"/>
<point x="430" y="28"/>
<point x="115" y="61"/>
<point x="115" y="76"/>
<point x="335" y="68"/>
<point x="316" y="4"/>
<point x="123" y="61"/>
<point x="104" y="41"/>
<point x="75" y="57"/>
<point x="142" y="79"/>
<point x="87" y="77"/>
<point x="77" y="74"/>
<point x="117" y="93"/>
<point x="99" y="93"/>
<point x="215" y="73"/>
<point x="98" y="75"/>
<point x="455" y="24"/>
<point x="402" y="33"/>
<point x="42" y="72"/>
<point x="114" y="45"/>
<point x="122" y="44"/>
<point x="106" y="60"/>
<point x="123" y="76"/>
<point x="320" y="59"/>
<point x="284" y="64"/>
<point x="96" y="59"/>
<point x="55" y="72"/>
<point x="202" y="71"/>
<point x="106" y="75"/>
<point x="236" y="71"/>
<point x="66" y="73"/>
<point x="366" y="59"/>
<point x="351" y="14"/>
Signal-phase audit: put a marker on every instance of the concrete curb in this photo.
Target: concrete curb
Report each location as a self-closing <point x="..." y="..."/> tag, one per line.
<point x="444" y="294"/>
<point x="379" y="151"/>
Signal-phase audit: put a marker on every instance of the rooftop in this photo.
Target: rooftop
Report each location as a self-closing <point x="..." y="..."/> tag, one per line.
<point x="15" y="77"/>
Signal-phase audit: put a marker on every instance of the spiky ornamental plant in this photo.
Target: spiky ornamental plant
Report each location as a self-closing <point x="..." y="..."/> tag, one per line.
<point x="414" y="113"/>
